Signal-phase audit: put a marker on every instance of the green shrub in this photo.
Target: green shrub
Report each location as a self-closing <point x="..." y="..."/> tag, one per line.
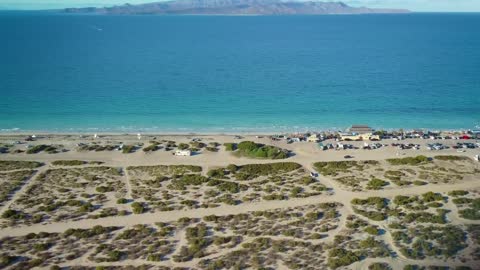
<point x="456" y="193"/>
<point x="6" y="165"/>
<point x="255" y="170"/>
<point x="42" y="148"/>
<point x="451" y="158"/>
<point x="216" y="173"/>
<point x="230" y="146"/>
<point x="231" y="187"/>
<point x="339" y="257"/>
<point x="138" y="208"/>
<point x="114" y="256"/>
<point x="6" y="260"/>
<point x="470" y="213"/>
<point x="379" y="266"/>
<point x="372" y="230"/>
<point x="122" y="201"/>
<point x="296" y="192"/>
<point x="274" y="196"/>
<point x="373" y="215"/>
<point x="87" y="207"/>
<point x="254" y="150"/>
<point x="68" y="162"/>
<point x="151" y="148"/>
<point x="376" y="184"/>
<point x="432" y="197"/>
<point x="104" y="189"/>
<point x="462" y="200"/>
<point x="419" y="183"/>
<point x="378" y="202"/>
<point x="232" y="168"/>
<point x="127" y="149"/>
<point x="13" y="214"/>
<point x="413" y="161"/>
<point x="183" y="146"/>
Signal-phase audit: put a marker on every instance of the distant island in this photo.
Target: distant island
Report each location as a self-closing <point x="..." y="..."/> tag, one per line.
<point x="235" y="7"/>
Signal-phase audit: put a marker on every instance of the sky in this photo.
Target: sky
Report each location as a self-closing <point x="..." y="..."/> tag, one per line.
<point x="414" y="5"/>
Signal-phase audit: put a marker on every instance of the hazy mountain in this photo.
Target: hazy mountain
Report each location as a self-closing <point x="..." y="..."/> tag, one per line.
<point x="235" y="7"/>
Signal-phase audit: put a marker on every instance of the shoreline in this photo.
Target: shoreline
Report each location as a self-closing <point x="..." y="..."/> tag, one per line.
<point x="217" y="133"/>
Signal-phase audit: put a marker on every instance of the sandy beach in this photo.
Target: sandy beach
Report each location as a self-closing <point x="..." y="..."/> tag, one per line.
<point x="138" y="180"/>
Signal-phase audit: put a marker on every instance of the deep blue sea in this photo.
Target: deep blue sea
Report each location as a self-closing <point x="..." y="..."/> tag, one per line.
<point x="70" y="73"/>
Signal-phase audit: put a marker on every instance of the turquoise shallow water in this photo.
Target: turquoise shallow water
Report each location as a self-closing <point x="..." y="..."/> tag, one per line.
<point x="66" y="73"/>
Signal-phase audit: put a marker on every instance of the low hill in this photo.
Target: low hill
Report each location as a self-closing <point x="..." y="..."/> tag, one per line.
<point x="236" y="7"/>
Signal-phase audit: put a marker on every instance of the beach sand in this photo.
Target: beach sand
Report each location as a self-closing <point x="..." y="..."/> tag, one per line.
<point x="304" y="153"/>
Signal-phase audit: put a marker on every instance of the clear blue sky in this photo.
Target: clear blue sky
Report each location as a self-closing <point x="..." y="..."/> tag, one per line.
<point x="415" y="5"/>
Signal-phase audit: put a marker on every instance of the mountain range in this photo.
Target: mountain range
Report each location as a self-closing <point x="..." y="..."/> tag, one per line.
<point x="236" y="7"/>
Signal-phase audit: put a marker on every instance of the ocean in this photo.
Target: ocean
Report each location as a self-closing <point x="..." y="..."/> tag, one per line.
<point x="235" y="74"/>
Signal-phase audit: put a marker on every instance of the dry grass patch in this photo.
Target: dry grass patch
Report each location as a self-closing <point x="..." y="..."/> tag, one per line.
<point x="68" y="194"/>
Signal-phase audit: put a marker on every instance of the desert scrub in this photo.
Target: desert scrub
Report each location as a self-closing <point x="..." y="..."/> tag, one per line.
<point x="211" y="149"/>
<point x="166" y="169"/>
<point x="138" y="208"/>
<point x="187" y="180"/>
<point x="255" y="150"/>
<point x="97" y="147"/>
<point x="427" y="217"/>
<point x="378" y="202"/>
<point x="339" y="257"/>
<point x="412" y="161"/>
<point x="57" y="193"/>
<point x="419" y="183"/>
<point x="183" y="146"/>
<point x="333" y="168"/>
<point x="11" y="181"/>
<point x="451" y="158"/>
<point x="376" y="184"/>
<point x="42" y="148"/>
<point x="462" y="200"/>
<point x="8" y="165"/>
<point x="68" y="162"/>
<point x="456" y="193"/>
<point x="151" y="148"/>
<point x="434" y="241"/>
<point x="13" y="214"/>
<point x="372" y="230"/>
<point x="473" y="210"/>
<point x="217" y="173"/>
<point x="230" y="146"/>
<point x="197" y="243"/>
<point x="255" y="170"/>
<point x="103" y="189"/>
<point x="127" y="149"/>
<point x="373" y="215"/>
<point x="122" y="201"/>
<point x="379" y="266"/>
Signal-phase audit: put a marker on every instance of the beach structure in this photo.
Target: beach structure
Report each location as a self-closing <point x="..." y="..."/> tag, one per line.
<point x="359" y="137"/>
<point x="185" y="153"/>
<point x="359" y="133"/>
<point x="361" y="129"/>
